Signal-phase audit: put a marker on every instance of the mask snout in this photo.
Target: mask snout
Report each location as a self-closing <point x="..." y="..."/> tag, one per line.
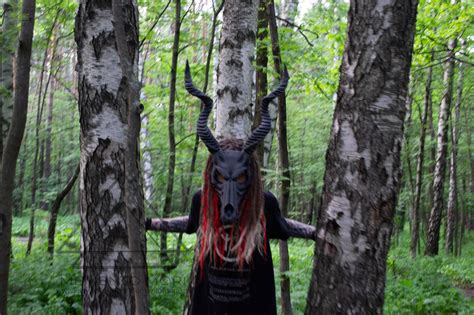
<point x="230" y="204"/>
<point x="229" y="215"/>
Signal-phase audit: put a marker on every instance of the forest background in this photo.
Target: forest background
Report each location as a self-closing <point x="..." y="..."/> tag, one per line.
<point x="312" y="36"/>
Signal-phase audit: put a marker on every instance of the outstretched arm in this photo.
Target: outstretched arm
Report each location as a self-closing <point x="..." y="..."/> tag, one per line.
<point x="178" y="224"/>
<point x="300" y="230"/>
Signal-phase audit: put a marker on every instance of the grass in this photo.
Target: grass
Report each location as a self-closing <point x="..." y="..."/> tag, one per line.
<point x="426" y="285"/>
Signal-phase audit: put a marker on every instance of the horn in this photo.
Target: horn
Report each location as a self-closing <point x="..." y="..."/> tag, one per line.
<point x="261" y="131"/>
<point x="202" y="130"/>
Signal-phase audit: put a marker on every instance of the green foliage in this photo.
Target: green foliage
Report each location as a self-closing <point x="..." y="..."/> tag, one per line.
<point x="426" y="285"/>
<point x="38" y="286"/>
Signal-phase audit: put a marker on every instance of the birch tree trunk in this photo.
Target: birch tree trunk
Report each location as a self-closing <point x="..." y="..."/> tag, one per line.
<point x="111" y="200"/>
<point x="8" y="38"/>
<point x="452" y="198"/>
<point x="235" y="69"/>
<point x="415" y="215"/>
<point x="13" y="143"/>
<point x="363" y="161"/>
<point x="432" y="241"/>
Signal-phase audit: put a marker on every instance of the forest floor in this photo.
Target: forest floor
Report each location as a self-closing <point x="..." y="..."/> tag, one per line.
<point x="426" y="285"/>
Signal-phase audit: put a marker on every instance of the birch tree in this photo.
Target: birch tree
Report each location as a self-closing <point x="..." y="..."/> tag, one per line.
<point x="453" y="186"/>
<point x="415" y="215"/>
<point x="235" y="70"/>
<point x="363" y="164"/>
<point x="432" y="241"/>
<point x="111" y="200"/>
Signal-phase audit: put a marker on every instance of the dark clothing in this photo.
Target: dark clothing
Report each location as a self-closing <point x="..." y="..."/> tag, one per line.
<point x="225" y="289"/>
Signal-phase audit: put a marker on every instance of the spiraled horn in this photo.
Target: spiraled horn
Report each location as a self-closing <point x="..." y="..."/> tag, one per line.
<point x="261" y="131"/>
<point x="202" y="130"/>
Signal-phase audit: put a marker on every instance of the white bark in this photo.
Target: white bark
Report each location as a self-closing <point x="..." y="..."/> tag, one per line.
<point x="235" y="70"/>
<point x="6" y="75"/>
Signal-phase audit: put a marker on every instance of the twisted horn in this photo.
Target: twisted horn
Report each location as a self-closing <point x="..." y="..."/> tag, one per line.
<point x="202" y="130"/>
<point x="261" y="131"/>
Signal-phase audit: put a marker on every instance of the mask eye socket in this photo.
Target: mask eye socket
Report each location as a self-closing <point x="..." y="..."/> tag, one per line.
<point x="242" y="178"/>
<point x="220" y="178"/>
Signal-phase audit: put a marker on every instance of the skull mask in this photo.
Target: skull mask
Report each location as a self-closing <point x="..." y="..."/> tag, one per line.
<point x="230" y="174"/>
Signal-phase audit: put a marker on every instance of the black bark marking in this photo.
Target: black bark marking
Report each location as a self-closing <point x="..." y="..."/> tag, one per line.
<point x="234" y="92"/>
<point x="236" y="113"/>
<point x="236" y="41"/>
<point x="235" y="63"/>
<point x="98" y="42"/>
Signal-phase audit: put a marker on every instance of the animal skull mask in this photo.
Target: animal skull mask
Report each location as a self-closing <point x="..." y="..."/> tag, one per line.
<point x="230" y="174"/>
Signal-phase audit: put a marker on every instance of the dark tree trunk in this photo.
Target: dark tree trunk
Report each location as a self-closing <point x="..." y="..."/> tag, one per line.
<point x="415" y="215"/>
<point x="18" y="203"/>
<point x="55" y="209"/>
<point x="284" y="163"/>
<point x="171" y="136"/>
<point x="432" y="242"/>
<point x="363" y="163"/>
<point x="111" y="200"/>
<point x="13" y="143"/>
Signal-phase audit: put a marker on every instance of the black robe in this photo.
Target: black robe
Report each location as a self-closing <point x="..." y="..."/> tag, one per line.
<point x="226" y="289"/>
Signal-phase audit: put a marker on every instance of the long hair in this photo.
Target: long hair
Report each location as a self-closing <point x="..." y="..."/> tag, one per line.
<point x="246" y="235"/>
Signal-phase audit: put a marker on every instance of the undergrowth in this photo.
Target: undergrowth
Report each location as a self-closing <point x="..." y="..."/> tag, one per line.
<point x="38" y="285"/>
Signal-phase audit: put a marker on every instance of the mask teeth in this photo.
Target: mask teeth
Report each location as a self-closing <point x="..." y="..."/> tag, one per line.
<point x="202" y="130"/>
<point x="265" y="126"/>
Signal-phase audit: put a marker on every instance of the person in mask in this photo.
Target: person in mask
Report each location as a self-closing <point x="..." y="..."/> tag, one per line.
<point x="234" y="219"/>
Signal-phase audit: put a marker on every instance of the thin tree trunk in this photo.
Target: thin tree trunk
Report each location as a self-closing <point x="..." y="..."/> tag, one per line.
<point x="111" y="200"/>
<point x="171" y="130"/>
<point x="13" y="143"/>
<point x="235" y="69"/>
<point x="261" y="82"/>
<point x="415" y="215"/>
<point x="432" y="163"/>
<point x="452" y="198"/>
<point x="18" y="204"/>
<point x="284" y="164"/>
<point x="48" y="143"/>
<point x="55" y="209"/>
<point x="432" y="242"/>
<point x="39" y="114"/>
<point x="363" y="162"/>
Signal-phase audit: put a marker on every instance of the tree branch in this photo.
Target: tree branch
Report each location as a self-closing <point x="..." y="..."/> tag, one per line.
<point x="299" y="29"/>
